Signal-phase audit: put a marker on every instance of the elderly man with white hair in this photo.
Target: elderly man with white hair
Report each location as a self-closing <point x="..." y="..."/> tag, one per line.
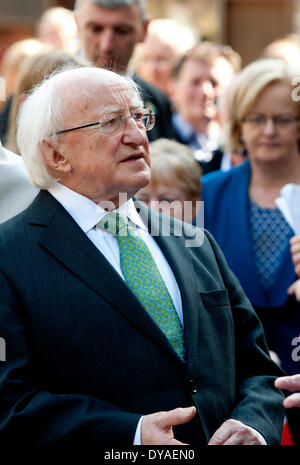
<point x="118" y="334"/>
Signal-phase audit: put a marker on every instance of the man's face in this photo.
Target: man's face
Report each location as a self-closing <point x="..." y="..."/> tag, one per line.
<point x="194" y="94"/>
<point x="109" y="36"/>
<point x="94" y="164"/>
<point x="156" y="61"/>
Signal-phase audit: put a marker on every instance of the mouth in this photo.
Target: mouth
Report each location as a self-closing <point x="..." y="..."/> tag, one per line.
<point x="269" y="144"/>
<point x="133" y="158"/>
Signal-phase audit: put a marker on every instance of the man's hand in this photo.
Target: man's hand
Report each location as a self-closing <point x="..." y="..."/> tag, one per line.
<point x="295" y="250"/>
<point x="157" y="428"/>
<point x="234" y="433"/>
<point x="290" y="383"/>
<point x="295" y="289"/>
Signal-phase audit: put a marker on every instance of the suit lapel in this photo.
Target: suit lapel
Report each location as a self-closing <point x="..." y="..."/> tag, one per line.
<point x="67" y="243"/>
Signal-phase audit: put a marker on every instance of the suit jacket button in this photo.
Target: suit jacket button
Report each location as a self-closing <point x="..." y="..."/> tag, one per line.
<point x="193" y="386"/>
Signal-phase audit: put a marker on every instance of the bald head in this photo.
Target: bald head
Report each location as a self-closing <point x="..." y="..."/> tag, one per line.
<point x="82" y="89"/>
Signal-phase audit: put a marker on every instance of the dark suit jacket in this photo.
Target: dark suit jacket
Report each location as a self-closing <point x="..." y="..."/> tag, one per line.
<point x="84" y="359"/>
<point x="206" y="166"/>
<point x="156" y="100"/>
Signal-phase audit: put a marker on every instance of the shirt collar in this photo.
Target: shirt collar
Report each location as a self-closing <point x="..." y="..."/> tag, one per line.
<point x="87" y="213"/>
<point x="184" y="129"/>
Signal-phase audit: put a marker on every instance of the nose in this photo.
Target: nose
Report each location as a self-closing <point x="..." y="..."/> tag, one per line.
<point x="208" y="89"/>
<point x="133" y="134"/>
<point x="269" y="126"/>
<point x="106" y="39"/>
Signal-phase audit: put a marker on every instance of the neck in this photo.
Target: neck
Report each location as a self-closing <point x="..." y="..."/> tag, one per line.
<point x="267" y="179"/>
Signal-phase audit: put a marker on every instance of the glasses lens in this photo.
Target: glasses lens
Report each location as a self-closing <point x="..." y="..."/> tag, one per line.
<point x="111" y="125"/>
<point x="284" y="120"/>
<point x="148" y="120"/>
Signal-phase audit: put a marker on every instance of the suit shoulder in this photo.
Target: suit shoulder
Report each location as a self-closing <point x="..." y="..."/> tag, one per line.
<point x="150" y="91"/>
<point x="215" y="180"/>
<point x="14" y="224"/>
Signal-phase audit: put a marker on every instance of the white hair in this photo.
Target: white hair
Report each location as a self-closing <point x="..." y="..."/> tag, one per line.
<point x="110" y="4"/>
<point x="41" y="115"/>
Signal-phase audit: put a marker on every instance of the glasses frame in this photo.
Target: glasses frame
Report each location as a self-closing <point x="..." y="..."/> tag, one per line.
<point x="265" y="119"/>
<point x="146" y="112"/>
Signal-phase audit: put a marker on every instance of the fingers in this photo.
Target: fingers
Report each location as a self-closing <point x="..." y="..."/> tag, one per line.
<point x="295" y="250"/>
<point x="292" y="401"/>
<point x="233" y="432"/>
<point x="288" y="383"/>
<point x="295" y="241"/>
<point x="178" y="416"/>
<point x="295" y="289"/>
<point x="157" y="428"/>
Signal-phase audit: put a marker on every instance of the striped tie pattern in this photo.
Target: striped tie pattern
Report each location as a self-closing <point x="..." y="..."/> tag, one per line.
<point x="144" y="279"/>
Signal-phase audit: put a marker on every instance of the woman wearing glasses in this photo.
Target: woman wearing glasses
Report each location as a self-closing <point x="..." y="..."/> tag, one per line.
<point x="263" y="111"/>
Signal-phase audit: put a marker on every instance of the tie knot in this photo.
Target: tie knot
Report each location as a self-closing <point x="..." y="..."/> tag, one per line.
<point x="115" y="224"/>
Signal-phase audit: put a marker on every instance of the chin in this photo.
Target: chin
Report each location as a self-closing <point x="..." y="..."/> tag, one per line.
<point x="140" y="184"/>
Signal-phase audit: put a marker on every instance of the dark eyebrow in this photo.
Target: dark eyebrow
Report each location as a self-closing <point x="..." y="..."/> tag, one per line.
<point x="93" y="24"/>
<point x="115" y="26"/>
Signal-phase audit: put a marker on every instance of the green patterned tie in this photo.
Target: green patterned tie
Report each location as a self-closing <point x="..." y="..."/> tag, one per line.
<point x="143" y="277"/>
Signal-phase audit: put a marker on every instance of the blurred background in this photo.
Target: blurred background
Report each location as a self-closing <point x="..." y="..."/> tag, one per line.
<point x="247" y="25"/>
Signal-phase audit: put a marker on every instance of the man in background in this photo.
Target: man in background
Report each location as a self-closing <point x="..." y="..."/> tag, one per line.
<point x="109" y="31"/>
<point x="199" y="80"/>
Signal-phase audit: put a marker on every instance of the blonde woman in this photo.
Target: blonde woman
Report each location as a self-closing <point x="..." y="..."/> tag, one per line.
<point x="240" y="210"/>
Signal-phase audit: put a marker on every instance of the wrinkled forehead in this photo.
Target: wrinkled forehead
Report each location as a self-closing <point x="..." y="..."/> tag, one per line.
<point x="86" y="99"/>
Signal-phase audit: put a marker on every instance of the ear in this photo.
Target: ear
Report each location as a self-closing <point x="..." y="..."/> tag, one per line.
<point x="53" y="158"/>
<point x="144" y="28"/>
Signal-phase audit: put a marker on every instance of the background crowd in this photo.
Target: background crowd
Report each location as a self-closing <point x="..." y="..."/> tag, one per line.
<point x="225" y="133"/>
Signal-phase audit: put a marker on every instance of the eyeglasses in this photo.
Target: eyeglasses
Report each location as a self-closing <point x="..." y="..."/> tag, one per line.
<point x="115" y="124"/>
<point x="281" y="121"/>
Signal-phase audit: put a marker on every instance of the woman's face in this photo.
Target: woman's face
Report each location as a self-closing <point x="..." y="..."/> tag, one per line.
<point x="271" y="128"/>
<point x="170" y="199"/>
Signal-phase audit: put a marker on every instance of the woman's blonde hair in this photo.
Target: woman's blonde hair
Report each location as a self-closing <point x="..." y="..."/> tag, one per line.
<point x="246" y="87"/>
<point x="173" y="162"/>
